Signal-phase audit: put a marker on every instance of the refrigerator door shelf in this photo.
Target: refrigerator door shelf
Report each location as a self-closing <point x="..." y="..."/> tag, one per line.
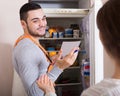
<point x="62" y="12"/>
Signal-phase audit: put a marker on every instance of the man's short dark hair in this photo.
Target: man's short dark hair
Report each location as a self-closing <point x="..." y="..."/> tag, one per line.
<point x="28" y="7"/>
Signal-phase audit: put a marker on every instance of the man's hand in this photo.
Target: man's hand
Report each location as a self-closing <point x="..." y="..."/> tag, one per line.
<point x="68" y="60"/>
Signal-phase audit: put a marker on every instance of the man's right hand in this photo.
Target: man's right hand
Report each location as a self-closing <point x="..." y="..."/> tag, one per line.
<point x="68" y="60"/>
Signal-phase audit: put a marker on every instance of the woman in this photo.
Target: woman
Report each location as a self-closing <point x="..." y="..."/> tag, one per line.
<point x="109" y="29"/>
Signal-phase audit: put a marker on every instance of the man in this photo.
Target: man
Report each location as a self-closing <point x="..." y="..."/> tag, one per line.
<point x="30" y="59"/>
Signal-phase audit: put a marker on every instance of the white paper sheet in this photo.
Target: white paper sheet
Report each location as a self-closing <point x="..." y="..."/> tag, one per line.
<point x="67" y="46"/>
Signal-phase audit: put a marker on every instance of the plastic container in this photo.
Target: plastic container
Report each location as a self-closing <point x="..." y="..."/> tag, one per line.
<point x="51" y="51"/>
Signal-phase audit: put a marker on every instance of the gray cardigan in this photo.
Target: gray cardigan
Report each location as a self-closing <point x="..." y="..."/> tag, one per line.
<point x="30" y="62"/>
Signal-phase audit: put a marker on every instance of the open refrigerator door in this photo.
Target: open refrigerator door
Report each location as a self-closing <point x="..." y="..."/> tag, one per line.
<point x="71" y="21"/>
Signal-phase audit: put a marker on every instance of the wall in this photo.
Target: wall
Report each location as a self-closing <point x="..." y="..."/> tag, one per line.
<point x="10" y="29"/>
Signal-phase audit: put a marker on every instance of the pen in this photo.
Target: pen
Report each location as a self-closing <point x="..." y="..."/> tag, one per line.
<point x="76" y="51"/>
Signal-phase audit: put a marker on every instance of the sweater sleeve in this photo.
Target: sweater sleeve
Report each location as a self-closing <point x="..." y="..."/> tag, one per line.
<point x="50" y="94"/>
<point x="54" y="73"/>
<point x="30" y="62"/>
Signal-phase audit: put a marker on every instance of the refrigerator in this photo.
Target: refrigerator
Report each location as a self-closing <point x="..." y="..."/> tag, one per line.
<point x="71" y="21"/>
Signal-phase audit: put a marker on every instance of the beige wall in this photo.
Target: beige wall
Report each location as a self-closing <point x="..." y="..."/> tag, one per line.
<point x="10" y="29"/>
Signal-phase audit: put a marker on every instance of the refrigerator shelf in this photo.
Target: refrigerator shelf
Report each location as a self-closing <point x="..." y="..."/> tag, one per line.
<point x="71" y="39"/>
<point x="64" y="12"/>
<point x="55" y="1"/>
<point x="68" y="84"/>
<point x="73" y="67"/>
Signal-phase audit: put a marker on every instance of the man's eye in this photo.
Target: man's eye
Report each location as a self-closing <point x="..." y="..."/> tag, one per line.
<point x="35" y="21"/>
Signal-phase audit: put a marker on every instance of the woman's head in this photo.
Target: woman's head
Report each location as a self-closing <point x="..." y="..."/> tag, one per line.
<point x="108" y="21"/>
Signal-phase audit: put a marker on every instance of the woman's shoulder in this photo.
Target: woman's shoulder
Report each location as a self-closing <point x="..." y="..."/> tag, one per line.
<point x="104" y="87"/>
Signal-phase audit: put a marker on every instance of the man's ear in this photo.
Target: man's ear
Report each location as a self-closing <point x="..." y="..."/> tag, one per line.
<point x="23" y="23"/>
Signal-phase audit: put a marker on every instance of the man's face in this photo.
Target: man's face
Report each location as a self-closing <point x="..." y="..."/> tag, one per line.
<point x="36" y="23"/>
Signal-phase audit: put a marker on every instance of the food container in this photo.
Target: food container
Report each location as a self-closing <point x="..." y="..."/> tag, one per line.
<point x="68" y="32"/>
<point x="60" y="34"/>
<point x="51" y="51"/>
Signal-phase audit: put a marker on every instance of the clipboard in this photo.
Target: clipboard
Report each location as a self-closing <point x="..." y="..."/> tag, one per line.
<point x="67" y="46"/>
